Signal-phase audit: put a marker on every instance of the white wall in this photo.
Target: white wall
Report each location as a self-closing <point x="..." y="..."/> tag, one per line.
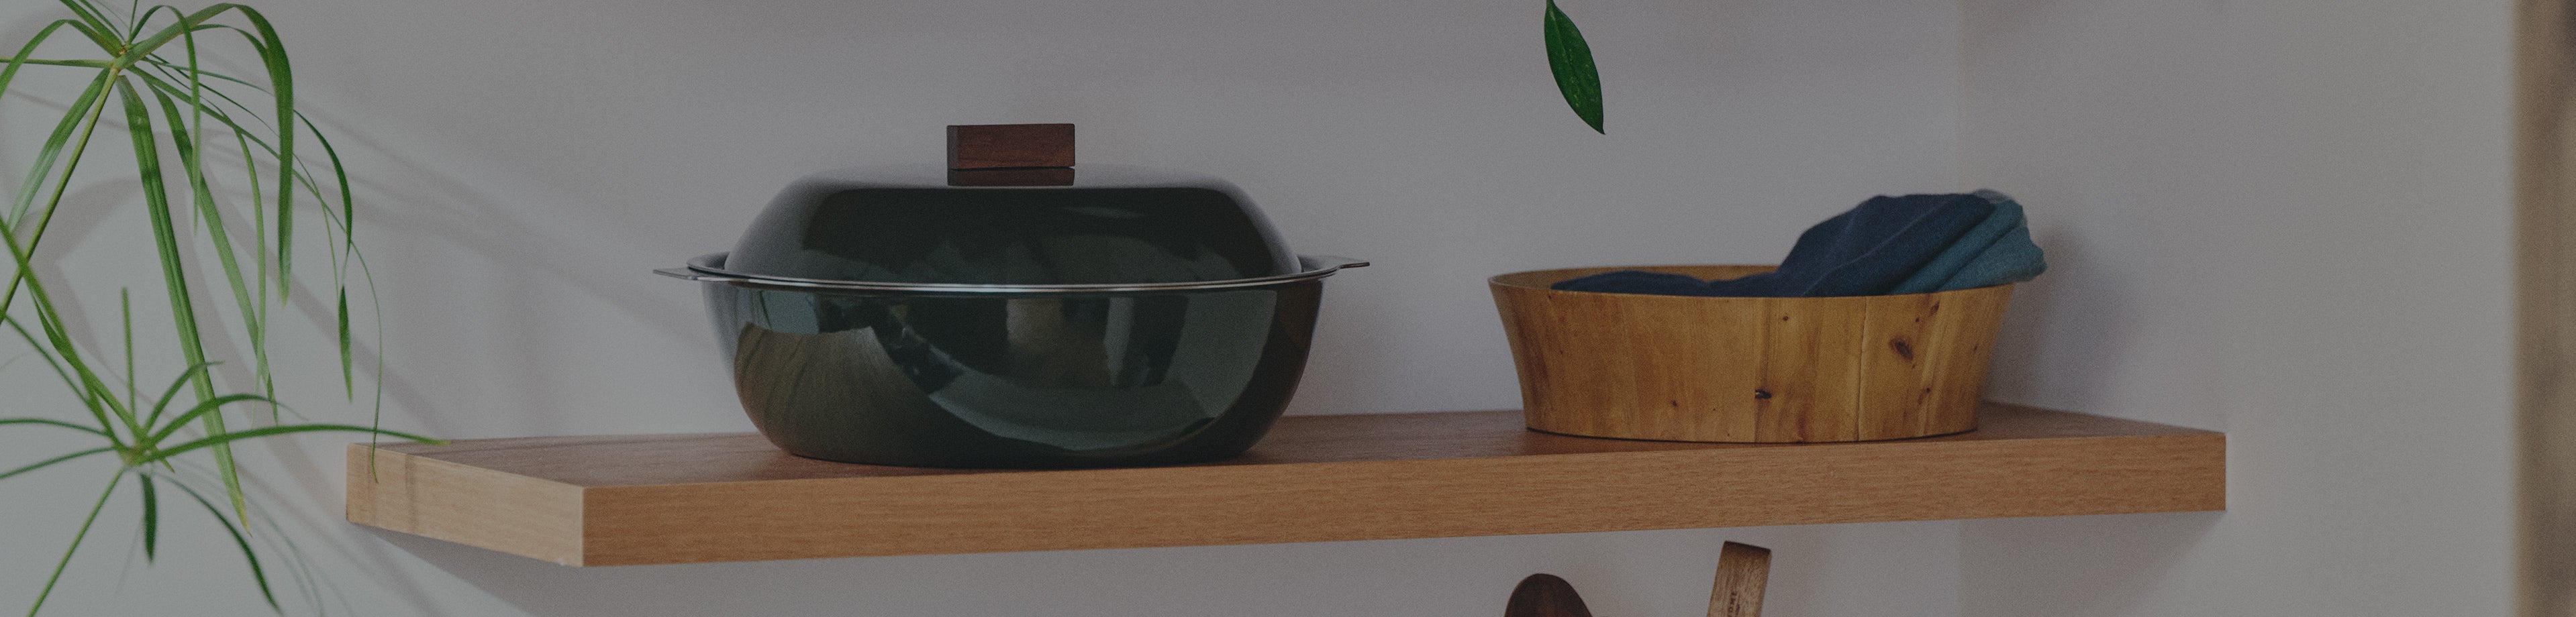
<point x="524" y="164"/>
<point x="2286" y="219"/>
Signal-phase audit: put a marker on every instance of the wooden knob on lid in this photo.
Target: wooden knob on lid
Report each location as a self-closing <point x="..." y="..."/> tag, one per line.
<point x="1007" y="146"/>
<point x="1010" y="155"/>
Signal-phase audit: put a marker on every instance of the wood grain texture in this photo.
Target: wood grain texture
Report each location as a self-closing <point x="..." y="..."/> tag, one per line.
<point x="732" y="497"/>
<point x="1746" y="369"/>
<point x="1002" y="146"/>
<point x="2545" y="298"/>
<point x="467" y="505"/>
<point x="1742" y="572"/>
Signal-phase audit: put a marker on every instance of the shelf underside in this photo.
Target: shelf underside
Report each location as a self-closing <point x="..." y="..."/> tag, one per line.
<point x="646" y="499"/>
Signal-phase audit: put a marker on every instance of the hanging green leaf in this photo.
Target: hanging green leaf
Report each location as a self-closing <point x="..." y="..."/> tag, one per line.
<point x="1571" y="59"/>
<point x="151" y="517"/>
<point x="258" y="575"/>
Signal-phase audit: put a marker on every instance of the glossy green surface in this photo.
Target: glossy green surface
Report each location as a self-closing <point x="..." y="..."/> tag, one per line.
<point x="1113" y="224"/>
<point x="1015" y="381"/>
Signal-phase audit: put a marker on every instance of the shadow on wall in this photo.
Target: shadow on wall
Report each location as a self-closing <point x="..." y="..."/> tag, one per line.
<point x="454" y="256"/>
<point x="1822" y="570"/>
<point x="477" y="222"/>
<point x="2074" y="566"/>
<point x="2048" y="307"/>
<point x="1348" y="578"/>
<point x="2088" y="337"/>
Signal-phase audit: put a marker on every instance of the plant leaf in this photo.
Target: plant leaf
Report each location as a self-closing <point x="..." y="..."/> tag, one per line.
<point x="214" y="440"/>
<point x="1571" y="60"/>
<point x="348" y="373"/>
<point x="128" y="55"/>
<point x="256" y="573"/>
<point x="246" y="132"/>
<point x="95" y="394"/>
<point x="191" y="146"/>
<point x="51" y="461"/>
<point x="89" y="14"/>
<point x="281" y="89"/>
<point x="136" y="30"/>
<point x="151" y="517"/>
<point x="159" y="404"/>
<point x="345" y="221"/>
<point x="84" y="110"/>
<point x="66" y="562"/>
<point x="53" y="423"/>
<point x="192" y="161"/>
<point x="125" y="313"/>
<point x="48" y="355"/>
<point x="165" y="240"/>
<point x="272" y="54"/>
<point x="203" y="407"/>
<point x="94" y="25"/>
<point x="27" y="52"/>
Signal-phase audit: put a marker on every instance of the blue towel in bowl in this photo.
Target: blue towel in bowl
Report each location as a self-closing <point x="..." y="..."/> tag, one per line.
<point x="1994" y="252"/>
<point x="1643" y="282"/>
<point x="1908" y="244"/>
<point x="2012" y="259"/>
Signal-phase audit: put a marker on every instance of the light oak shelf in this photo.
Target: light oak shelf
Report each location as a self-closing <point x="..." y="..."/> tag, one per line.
<point x="650" y="499"/>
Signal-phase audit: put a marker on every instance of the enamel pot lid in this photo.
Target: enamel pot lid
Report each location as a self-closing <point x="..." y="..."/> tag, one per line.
<point x="1011" y="213"/>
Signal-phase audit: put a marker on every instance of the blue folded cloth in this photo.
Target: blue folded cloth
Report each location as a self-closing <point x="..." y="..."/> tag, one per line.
<point x="2012" y="259"/>
<point x="1908" y="244"/>
<point x="1641" y="282"/>
<point x="1994" y="252"/>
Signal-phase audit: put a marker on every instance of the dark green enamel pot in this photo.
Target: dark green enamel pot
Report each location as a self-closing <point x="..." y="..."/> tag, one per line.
<point x="1126" y="316"/>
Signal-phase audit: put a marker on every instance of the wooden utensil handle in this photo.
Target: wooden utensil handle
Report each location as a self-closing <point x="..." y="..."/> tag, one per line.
<point x="1742" y="571"/>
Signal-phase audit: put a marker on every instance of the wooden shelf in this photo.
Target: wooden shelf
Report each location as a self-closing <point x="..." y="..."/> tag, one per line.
<point x="650" y="499"/>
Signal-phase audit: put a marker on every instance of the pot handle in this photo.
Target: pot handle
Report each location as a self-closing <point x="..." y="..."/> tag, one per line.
<point x="694" y="275"/>
<point x="1313" y="262"/>
<point x="707" y="268"/>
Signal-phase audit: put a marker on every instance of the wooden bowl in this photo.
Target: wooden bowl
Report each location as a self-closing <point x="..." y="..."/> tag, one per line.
<point x="1772" y="370"/>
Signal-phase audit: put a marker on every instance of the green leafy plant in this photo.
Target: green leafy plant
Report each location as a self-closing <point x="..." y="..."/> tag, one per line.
<point x="147" y="81"/>
<point x="1571" y="60"/>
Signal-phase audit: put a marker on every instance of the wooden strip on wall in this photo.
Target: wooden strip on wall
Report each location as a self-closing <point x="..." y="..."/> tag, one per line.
<point x="2545" y="259"/>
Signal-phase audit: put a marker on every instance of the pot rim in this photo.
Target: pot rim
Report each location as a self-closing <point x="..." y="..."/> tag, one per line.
<point x="710" y="268"/>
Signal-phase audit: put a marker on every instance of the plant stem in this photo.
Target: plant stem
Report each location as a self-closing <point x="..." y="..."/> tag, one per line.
<point x="9" y="298"/>
<point x="66" y="563"/>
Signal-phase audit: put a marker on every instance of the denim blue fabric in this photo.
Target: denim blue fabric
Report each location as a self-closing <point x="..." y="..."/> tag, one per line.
<point x="1868" y="250"/>
<point x="2011" y="259"/>
<point x="1995" y="252"/>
